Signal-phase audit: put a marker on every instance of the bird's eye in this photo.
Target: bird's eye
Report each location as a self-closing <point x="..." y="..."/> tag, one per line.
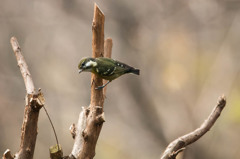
<point x="82" y="64"/>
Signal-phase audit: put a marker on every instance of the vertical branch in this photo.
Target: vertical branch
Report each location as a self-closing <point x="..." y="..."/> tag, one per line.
<point x="95" y="117"/>
<point x="97" y="51"/>
<point x="108" y="47"/>
<point x="107" y="53"/>
<point x="91" y="119"/>
<point x="34" y="102"/>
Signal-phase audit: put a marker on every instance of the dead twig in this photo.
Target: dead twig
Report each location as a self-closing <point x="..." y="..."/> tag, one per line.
<point x="179" y="144"/>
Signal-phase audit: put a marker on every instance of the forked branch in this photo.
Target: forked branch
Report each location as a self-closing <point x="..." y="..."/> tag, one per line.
<point x="34" y="102"/>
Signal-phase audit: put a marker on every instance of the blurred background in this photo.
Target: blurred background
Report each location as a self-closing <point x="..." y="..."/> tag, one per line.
<point x="188" y="54"/>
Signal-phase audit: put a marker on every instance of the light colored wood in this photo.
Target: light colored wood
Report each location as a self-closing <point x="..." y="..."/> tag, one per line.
<point x="34" y="102"/>
<point x="89" y="131"/>
<point x="107" y="53"/>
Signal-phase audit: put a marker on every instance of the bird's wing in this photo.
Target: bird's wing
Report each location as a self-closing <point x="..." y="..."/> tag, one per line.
<point x="106" y="66"/>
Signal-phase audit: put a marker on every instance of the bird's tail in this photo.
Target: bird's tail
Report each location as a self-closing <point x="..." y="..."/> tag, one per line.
<point x="134" y="71"/>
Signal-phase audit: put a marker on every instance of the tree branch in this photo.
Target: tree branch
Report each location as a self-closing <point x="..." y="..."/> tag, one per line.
<point x="91" y="119"/>
<point x="23" y="66"/>
<point x="34" y="102"/>
<point x="107" y="53"/>
<point x="97" y="51"/>
<point x="179" y="144"/>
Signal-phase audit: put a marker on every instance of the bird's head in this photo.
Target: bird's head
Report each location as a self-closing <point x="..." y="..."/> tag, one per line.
<point x="86" y="64"/>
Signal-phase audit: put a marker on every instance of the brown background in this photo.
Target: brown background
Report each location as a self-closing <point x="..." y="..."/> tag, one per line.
<point x="188" y="53"/>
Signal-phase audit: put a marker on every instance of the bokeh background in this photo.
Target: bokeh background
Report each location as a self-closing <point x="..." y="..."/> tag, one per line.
<point x="188" y="53"/>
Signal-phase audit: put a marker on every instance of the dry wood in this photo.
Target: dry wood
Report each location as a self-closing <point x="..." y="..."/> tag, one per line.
<point x="95" y="118"/>
<point x="34" y="102"/>
<point x="179" y="144"/>
<point x="91" y="119"/>
<point x="23" y="66"/>
<point x="97" y="51"/>
<point x="77" y="131"/>
<point x="7" y="154"/>
<point x="107" y="53"/>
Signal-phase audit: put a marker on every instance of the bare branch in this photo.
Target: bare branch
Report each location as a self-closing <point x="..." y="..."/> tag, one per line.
<point x="91" y="119"/>
<point x="107" y="53"/>
<point x="93" y="129"/>
<point x="97" y="51"/>
<point x="179" y="144"/>
<point x="34" y="102"/>
<point x="108" y="44"/>
<point x="23" y="66"/>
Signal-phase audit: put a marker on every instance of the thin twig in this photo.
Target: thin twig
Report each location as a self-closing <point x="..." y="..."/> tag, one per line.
<point x="179" y="144"/>
<point x="54" y="131"/>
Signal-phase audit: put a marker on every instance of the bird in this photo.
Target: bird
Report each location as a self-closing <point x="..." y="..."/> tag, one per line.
<point x="105" y="68"/>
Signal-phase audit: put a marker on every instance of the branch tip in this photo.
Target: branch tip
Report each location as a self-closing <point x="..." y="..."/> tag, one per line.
<point x="97" y="7"/>
<point x="221" y="101"/>
<point x="180" y="143"/>
<point x="56" y="152"/>
<point x="7" y="154"/>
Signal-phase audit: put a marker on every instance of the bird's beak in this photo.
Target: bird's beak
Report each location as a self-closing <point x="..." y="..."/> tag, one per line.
<point x="80" y="70"/>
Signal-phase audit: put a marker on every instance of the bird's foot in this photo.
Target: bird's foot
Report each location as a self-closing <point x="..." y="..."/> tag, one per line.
<point x="100" y="87"/>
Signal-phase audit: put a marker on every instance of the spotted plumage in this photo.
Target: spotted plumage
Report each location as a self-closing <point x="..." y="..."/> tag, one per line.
<point x="105" y="68"/>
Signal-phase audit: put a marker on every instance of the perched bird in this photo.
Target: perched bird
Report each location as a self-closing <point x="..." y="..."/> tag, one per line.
<point x="105" y="68"/>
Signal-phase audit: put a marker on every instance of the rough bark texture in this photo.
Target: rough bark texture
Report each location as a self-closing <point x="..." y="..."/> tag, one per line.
<point x="97" y="51"/>
<point x="29" y="127"/>
<point x="91" y="119"/>
<point x="179" y="144"/>
<point x="77" y="131"/>
<point x="95" y="117"/>
<point x="34" y="102"/>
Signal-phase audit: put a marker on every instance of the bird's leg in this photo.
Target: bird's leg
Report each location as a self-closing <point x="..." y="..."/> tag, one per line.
<point x="101" y="87"/>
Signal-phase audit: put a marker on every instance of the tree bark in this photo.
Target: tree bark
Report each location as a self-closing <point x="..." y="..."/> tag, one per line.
<point x="91" y="119"/>
<point x="34" y="102"/>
